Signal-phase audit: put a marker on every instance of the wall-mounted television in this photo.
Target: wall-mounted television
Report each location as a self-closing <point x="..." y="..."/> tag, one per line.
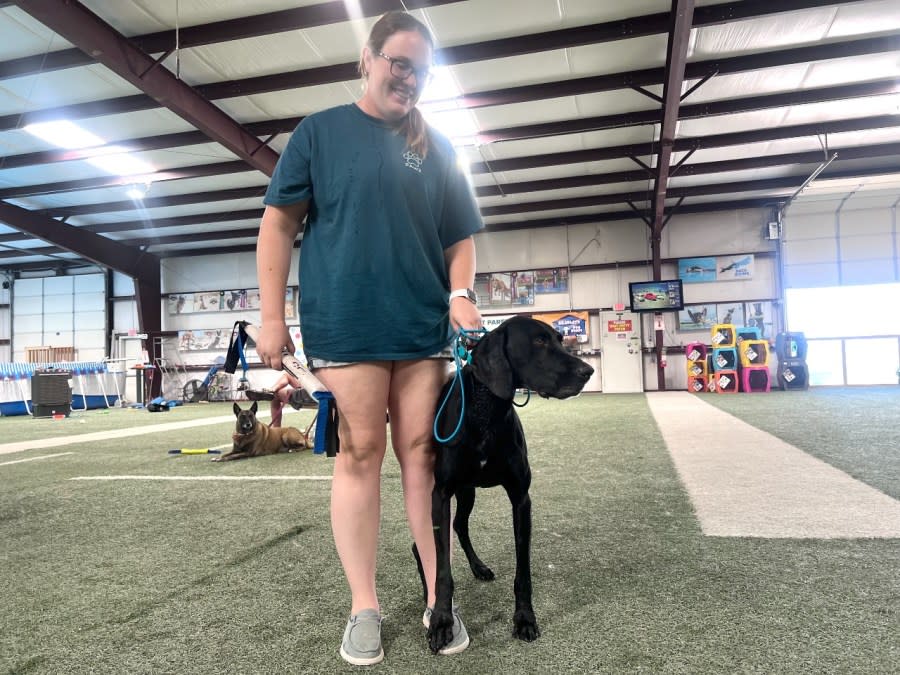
<point x="656" y="296"/>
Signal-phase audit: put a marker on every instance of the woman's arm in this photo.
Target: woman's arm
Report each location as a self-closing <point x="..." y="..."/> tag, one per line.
<point x="277" y="233"/>
<point x="460" y="259"/>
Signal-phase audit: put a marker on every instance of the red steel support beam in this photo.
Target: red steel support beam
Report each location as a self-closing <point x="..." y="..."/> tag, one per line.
<point x="142" y="267"/>
<point x="676" y="58"/>
<point x="95" y="37"/>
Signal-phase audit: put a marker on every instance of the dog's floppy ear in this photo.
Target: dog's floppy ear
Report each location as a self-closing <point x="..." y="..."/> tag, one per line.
<point x="237" y="409"/>
<point x="491" y="366"/>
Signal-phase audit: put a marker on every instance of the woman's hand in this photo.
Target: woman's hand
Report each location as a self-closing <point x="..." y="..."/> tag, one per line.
<point x="464" y="314"/>
<point x="273" y="338"/>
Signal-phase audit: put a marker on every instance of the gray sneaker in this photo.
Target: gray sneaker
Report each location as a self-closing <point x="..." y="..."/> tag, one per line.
<point x="460" y="637"/>
<point x="361" y="645"/>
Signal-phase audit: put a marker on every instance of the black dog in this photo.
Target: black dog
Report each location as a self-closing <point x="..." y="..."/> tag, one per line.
<point x="490" y="450"/>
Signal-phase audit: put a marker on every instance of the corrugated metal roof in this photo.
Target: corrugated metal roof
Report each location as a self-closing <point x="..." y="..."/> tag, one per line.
<point x="565" y="96"/>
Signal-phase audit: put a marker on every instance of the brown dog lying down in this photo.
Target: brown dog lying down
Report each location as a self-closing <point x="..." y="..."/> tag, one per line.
<point x="252" y="438"/>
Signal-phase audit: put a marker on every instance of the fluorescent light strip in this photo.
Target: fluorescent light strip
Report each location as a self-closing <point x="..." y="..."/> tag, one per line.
<point x="64" y="134"/>
<point x="110" y="158"/>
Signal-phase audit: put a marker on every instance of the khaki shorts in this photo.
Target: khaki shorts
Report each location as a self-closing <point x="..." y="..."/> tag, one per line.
<point x="315" y="364"/>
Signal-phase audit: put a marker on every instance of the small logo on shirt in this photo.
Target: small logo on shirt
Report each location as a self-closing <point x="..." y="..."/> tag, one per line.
<point x="413" y="160"/>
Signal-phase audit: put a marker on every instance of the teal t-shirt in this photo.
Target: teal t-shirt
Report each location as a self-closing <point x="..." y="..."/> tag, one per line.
<point x="373" y="281"/>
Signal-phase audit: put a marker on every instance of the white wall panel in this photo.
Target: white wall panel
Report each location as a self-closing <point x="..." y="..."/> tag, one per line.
<point x="90" y="283"/>
<point x="802" y="276"/>
<point x="548" y="247"/>
<point x="719" y="233"/>
<point x="502" y="251"/>
<point x="809" y="226"/>
<point x="28" y="288"/>
<point x="215" y="272"/>
<point x="867" y="247"/>
<point x="604" y="243"/>
<point x="125" y="315"/>
<point x="869" y="221"/>
<point x="27" y="323"/>
<point x="869" y="272"/>
<point x="59" y="326"/>
<point x="88" y="301"/>
<point x="807" y="251"/>
<point x="122" y="285"/>
<point x="90" y="320"/>
<point x="854" y="242"/>
<point x="62" y="285"/>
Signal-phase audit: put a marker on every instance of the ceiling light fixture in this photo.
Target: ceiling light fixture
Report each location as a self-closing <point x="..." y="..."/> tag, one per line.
<point x="137" y="191"/>
<point x="441" y="107"/>
<point x="63" y="134"/>
<point x="113" y="159"/>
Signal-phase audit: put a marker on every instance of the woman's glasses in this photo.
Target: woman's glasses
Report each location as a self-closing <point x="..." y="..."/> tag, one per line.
<point x="401" y="69"/>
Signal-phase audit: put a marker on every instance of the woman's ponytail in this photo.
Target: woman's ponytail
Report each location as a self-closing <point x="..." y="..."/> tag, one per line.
<point x="416" y="132"/>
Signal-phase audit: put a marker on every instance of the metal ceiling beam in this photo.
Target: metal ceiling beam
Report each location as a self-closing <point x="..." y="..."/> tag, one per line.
<point x="138" y="243"/>
<point x="515" y="224"/>
<point x="695" y="169"/>
<point x="686" y="144"/>
<point x="676" y="58"/>
<point x="333" y="12"/>
<point x="512" y="164"/>
<point x="694" y="111"/>
<point x="108" y="181"/>
<point x="520" y="224"/>
<point x="521" y="132"/>
<point x="158" y="142"/>
<point x="141" y="266"/>
<point x="779" y="187"/>
<point x="525" y="44"/>
<point x="176" y="221"/>
<point x="255" y="193"/>
<point x="693" y="71"/>
<point x="92" y="35"/>
<point x="240" y="28"/>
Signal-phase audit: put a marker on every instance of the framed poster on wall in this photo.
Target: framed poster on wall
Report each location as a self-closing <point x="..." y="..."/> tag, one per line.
<point x="730" y="312"/>
<point x="761" y="315"/>
<point x="697" y="317"/>
<point x="523" y="288"/>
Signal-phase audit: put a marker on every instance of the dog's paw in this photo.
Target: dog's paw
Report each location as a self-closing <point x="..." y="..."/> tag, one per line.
<point x="440" y="631"/>
<point x="215" y="459"/>
<point x="525" y="626"/>
<point x="483" y="572"/>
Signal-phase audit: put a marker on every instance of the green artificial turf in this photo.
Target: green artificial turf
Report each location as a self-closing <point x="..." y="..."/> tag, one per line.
<point x="242" y="577"/>
<point x="26" y="428"/>
<point x="856" y="429"/>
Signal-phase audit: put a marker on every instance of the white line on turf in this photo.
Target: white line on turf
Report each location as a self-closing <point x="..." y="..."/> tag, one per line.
<point x="19" y="446"/>
<point x="744" y="482"/>
<point x="34" y="459"/>
<point x="201" y="478"/>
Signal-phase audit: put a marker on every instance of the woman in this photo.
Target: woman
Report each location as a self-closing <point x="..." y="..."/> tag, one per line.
<point x="387" y="265"/>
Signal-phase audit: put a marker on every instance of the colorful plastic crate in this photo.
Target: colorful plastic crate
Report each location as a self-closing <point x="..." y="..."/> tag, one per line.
<point x="755" y="379"/>
<point x="754" y="352"/>
<point x="726" y="381"/>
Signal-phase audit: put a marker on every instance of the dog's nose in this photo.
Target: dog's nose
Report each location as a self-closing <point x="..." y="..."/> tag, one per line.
<point x="585" y="371"/>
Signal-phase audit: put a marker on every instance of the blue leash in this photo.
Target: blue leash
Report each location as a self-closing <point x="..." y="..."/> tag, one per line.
<point x="460" y="354"/>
